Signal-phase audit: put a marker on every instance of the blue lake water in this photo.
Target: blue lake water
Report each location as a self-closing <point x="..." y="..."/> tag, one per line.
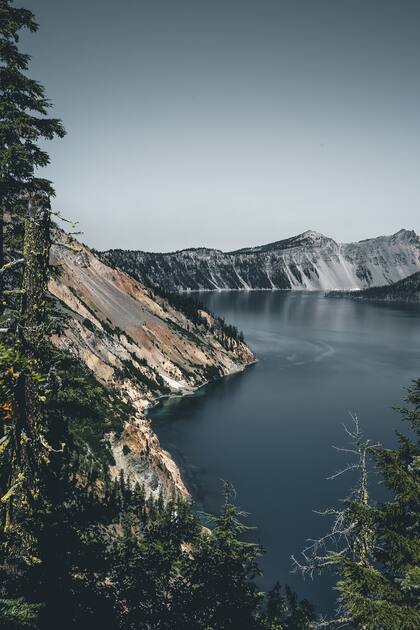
<point x="270" y="429"/>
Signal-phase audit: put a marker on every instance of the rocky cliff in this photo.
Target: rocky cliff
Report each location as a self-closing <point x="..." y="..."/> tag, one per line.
<point x="310" y="261"/>
<point x="140" y="346"/>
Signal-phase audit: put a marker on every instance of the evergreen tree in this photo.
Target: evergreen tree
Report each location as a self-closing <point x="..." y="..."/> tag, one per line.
<point x="220" y="591"/>
<point x="16" y="614"/>
<point x="24" y="121"/>
<point x="374" y="548"/>
<point x="283" y="611"/>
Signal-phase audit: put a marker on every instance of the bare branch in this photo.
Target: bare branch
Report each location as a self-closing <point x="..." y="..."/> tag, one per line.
<point x="344" y="470"/>
<point x="345" y="450"/>
<point x="11" y="265"/>
<point x="339" y="622"/>
<point x="348" y="536"/>
<point x="58" y="214"/>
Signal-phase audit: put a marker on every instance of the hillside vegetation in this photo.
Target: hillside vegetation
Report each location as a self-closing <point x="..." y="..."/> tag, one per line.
<point x="406" y="290"/>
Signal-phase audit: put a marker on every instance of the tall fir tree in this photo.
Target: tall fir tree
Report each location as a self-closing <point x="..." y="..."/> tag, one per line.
<point x="374" y="548"/>
<point x="222" y="570"/>
<point x="24" y="122"/>
<point x="24" y="225"/>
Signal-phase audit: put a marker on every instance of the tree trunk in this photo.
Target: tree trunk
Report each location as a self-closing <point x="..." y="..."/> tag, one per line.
<point x="32" y="335"/>
<point x="2" y="305"/>
<point x="36" y="249"/>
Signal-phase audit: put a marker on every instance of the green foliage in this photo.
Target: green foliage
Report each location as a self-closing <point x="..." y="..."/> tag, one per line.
<point x="212" y="373"/>
<point x="385" y="590"/>
<point x="405" y="290"/>
<point x="374" y="548"/>
<point x="222" y="571"/>
<point x="87" y="323"/>
<point x="23" y="110"/>
<point x="169" y="573"/>
<point x="144" y="376"/>
<point x="16" y="614"/>
<point x="191" y="308"/>
<point x="285" y="612"/>
<point x="90" y="410"/>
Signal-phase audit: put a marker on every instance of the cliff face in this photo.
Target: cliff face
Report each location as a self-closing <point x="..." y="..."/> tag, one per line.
<point x="310" y="261"/>
<point x="139" y="345"/>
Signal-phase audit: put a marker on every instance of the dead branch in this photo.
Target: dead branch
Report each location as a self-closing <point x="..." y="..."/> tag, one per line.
<point x="11" y="265"/>
<point x="58" y="214"/>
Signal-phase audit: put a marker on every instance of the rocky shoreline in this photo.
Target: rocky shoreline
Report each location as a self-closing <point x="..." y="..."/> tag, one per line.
<point x="142" y="348"/>
<point x="147" y="462"/>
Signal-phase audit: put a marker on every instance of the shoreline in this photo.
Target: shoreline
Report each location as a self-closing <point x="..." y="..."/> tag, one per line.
<point x="159" y="399"/>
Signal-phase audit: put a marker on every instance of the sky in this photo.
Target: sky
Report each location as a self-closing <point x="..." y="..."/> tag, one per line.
<point x="231" y="123"/>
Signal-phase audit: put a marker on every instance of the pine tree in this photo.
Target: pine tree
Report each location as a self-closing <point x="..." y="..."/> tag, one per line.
<point x="24" y="198"/>
<point x="283" y="610"/>
<point x="220" y="589"/>
<point x="23" y="115"/>
<point x="391" y="591"/>
<point x="24" y="225"/>
<point x="16" y="614"/>
<point x="374" y="548"/>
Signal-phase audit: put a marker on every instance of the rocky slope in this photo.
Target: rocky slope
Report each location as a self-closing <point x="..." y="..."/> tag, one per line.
<point x="406" y="290"/>
<point x="139" y="345"/>
<point x="310" y="261"/>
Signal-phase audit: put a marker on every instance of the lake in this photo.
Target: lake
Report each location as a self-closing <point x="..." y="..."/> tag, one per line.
<point x="270" y="429"/>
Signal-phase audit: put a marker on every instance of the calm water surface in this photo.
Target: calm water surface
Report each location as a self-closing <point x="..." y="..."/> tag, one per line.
<point x="270" y="429"/>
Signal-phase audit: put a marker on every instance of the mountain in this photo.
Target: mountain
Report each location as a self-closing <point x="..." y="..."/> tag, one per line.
<point x="140" y="347"/>
<point x="406" y="290"/>
<point x="309" y="261"/>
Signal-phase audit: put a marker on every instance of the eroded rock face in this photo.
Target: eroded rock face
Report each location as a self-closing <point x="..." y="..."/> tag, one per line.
<point x="139" y="345"/>
<point x="309" y="261"/>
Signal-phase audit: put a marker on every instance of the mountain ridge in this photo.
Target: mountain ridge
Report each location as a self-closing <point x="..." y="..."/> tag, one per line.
<point x="307" y="261"/>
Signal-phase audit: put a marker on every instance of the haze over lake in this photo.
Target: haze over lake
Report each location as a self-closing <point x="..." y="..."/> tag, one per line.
<point x="270" y="429"/>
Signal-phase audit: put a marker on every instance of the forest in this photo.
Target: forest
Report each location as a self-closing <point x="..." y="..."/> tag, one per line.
<point x="81" y="549"/>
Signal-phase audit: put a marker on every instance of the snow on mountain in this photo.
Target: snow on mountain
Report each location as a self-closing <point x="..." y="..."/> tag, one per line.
<point x="309" y="261"/>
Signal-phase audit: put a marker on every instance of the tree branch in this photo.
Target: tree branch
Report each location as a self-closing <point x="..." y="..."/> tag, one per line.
<point x="11" y="265"/>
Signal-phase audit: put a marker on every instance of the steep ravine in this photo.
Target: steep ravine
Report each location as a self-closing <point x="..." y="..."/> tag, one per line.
<point x="140" y="346"/>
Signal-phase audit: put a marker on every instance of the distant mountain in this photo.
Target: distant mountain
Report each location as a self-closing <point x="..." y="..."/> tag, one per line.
<point x="309" y="261"/>
<point x="406" y="290"/>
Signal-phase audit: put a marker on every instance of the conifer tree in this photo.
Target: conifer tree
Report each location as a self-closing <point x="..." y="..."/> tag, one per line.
<point x="24" y="198"/>
<point x="374" y="548"/>
<point x="221" y="573"/>
<point x="23" y="114"/>
<point x="24" y="225"/>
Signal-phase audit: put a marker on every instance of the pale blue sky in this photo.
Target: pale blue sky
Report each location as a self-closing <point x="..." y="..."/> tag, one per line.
<point x="232" y="123"/>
